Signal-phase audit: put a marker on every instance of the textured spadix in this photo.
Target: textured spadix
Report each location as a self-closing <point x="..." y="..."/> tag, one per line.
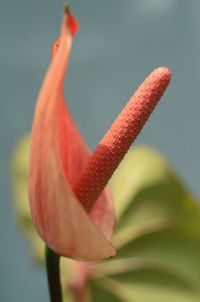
<point x="116" y="142"/>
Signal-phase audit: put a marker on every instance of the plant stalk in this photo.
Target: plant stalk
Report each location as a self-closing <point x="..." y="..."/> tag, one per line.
<point x="53" y="275"/>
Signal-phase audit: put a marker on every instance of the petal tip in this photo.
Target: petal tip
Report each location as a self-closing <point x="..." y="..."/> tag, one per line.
<point x="66" y="7"/>
<point x="112" y="253"/>
<point x="70" y="20"/>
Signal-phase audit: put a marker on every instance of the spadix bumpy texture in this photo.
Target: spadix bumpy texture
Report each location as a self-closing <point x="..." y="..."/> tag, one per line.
<point x="79" y="225"/>
<point x="120" y="136"/>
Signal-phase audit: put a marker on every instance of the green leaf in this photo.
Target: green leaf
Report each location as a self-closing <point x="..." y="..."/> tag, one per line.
<point x="145" y="188"/>
<point x="19" y="170"/>
<point x="100" y="292"/>
<point x="157" y="236"/>
<point x="133" y="291"/>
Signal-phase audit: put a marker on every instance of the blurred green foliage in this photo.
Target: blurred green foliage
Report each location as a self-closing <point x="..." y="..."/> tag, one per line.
<point x="157" y="234"/>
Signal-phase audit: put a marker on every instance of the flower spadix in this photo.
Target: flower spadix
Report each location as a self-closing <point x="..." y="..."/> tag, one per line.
<point x="70" y="206"/>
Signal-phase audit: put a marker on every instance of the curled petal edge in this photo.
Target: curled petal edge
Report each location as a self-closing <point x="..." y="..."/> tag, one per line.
<point x="58" y="216"/>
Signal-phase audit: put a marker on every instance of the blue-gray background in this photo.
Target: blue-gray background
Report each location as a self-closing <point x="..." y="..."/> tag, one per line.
<point x="120" y="42"/>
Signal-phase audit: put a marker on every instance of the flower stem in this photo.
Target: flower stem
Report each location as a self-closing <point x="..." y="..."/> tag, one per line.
<point x="53" y="275"/>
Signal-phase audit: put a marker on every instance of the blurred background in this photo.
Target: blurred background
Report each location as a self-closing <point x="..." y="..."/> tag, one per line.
<point x="118" y="45"/>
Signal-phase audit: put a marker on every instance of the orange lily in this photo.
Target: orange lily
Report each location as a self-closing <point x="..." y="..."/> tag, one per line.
<point x="70" y="206"/>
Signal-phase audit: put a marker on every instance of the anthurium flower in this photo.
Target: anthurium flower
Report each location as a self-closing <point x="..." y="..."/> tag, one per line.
<point x="70" y="205"/>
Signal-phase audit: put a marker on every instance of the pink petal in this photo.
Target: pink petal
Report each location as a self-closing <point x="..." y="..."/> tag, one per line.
<point x="75" y="156"/>
<point x="102" y="214"/>
<point x="57" y="155"/>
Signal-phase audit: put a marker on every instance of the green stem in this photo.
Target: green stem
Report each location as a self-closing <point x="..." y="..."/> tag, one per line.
<point x="53" y="275"/>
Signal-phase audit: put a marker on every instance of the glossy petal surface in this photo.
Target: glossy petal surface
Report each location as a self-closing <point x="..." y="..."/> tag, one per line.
<point x="57" y="154"/>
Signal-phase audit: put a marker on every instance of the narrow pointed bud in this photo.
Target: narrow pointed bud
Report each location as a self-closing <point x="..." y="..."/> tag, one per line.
<point x="116" y="142"/>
